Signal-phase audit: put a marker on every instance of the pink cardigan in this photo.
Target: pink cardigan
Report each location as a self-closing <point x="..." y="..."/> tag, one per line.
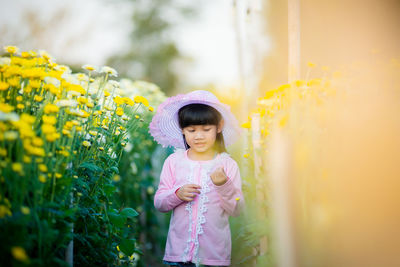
<point x="199" y="230"/>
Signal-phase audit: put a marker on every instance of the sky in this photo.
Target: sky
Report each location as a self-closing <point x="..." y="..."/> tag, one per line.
<point x="79" y="35"/>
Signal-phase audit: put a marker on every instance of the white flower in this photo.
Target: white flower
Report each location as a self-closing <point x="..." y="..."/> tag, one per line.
<point x="110" y="71"/>
<point x="5" y="61"/>
<point x="52" y="80"/>
<point x="12" y="116"/>
<point x="89" y="67"/>
<point x="63" y="68"/>
<point x="71" y="94"/>
<point x="67" y="103"/>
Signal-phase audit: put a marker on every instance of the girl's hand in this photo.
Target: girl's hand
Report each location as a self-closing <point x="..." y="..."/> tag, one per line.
<point x="219" y="177"/>
<point x="188" y="192"/>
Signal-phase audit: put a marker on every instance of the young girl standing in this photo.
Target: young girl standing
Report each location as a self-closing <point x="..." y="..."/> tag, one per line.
<point x="199" y="182"/>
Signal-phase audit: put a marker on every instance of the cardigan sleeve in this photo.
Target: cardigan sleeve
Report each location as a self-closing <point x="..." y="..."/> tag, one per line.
<point x="230" y="193"/>
<point x="165" y="198"/>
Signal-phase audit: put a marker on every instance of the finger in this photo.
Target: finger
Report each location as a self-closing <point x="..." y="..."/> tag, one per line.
<point x="194" y="191"/>
<point x="187" y="199"/>
<point x="194" y="186"/>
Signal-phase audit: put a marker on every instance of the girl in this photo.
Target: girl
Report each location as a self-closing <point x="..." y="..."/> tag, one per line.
<point x="199" y="182"/>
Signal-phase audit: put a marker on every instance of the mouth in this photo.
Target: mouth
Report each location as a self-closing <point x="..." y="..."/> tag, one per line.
<point x="200" y="144"/>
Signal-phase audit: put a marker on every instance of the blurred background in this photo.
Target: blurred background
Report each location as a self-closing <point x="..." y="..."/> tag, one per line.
<point x="315" y="84"/>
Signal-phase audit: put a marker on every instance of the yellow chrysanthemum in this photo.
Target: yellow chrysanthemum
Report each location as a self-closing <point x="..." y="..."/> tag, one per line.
<point x="246" y="125"/>
<point x="6" y="108"/>
<point x="19" y="253"/>
<point x="42" y="168"/>
<point x="119" y="100"/>
<point x="119" y="111"/>
<point x="86" y="143"/>
<point x="141" y="99"/>
<point x="42" y="178"/>
<point x="25" y="210"/>
<point x="4" y="86"/>
<point x="82" y="100"/>
<point x="17" y="167"/>
<point x="51" y="108"/>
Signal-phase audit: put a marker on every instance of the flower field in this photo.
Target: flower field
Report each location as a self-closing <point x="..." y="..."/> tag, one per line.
<point x="62" y="138"/>
<point x="322" y="167"/>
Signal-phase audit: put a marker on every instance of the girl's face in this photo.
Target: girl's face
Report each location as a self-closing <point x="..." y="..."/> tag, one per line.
<point x="201" y="138"/>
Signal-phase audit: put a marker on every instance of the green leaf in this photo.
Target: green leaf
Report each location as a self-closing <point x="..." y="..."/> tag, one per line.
<point x="127" y="246"/>
<point x="117" y="219"/>
<point x="109" y="189"/>
<point x="129" y="212"/>
<point x="115" y="169"/>
<point x="90" y="166"/>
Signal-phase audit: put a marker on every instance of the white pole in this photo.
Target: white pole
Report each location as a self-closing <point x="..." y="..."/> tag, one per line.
<point x="294" y="40"/>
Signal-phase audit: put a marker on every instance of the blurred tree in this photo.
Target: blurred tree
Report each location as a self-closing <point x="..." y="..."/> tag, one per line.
<point x="153" y="50"/>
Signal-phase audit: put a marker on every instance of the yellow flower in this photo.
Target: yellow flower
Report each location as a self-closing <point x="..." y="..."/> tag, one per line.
<point x="25" y="210"/>
<point x="3" y="152"/>
<point x="86" y="143"/>
<point x="35" y="83"/>
<point x="246" y="156"/>
<point x="118" y="248"/>
<point x="4" y="86"/>
<point x="36" y="141"/>
<point x="27" y="159"/>
<point x="10" y="135"/>
<point x="151" y="109"/>
<point x="37" y="98"/>
<point x="283" y="121"/>
<point x="82" y="100"/>
<point x="129" y="101"/>
<point x="49" y="119"/>
<point x="20" y="106"/>
<point x="116" y="178"/>
<point x="311" y="65"/>
<point x="48" y="129"/>
<point x="75" y="176"/>
<point x="58" y="175"/>
<point x="237" y="199"/>
<point x="119" y="112"/>
<point x="19" y="254"/>
<point x="89" y="104"/>
<point x="101" y="148"/>
<point x="51" y="108"/>
<point x="141" y="99"/>
<point x="6" y="108"/>
<point x="52" y="137"/>
<point x="42" y="178"/>
<point x="42" y="168"/>
<point x="106" y="93"/>
<point x="19" y="98"/>
<point x="93" y="133"/>
<point x="300" y="83"/>
<point x="17" y="167"/>
<point x="11" y="49"/>
<point x="119" y="100"/>
<point x="137" y="116"/>
<point x="246" y="125"/>
<point x="5" y="211"/>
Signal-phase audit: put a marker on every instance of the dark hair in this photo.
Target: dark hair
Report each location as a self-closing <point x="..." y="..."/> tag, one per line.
<point x="201" y="114"/>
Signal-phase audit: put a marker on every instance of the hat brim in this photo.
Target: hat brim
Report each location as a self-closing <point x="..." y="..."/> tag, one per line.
<point x="165" y="129"/>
